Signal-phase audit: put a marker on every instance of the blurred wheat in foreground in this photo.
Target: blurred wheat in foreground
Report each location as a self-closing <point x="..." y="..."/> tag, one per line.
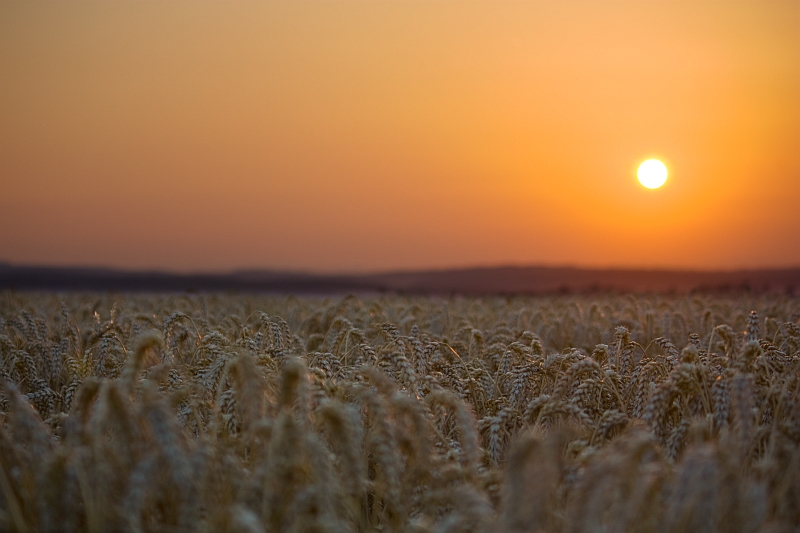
<point x="256" y="414"/>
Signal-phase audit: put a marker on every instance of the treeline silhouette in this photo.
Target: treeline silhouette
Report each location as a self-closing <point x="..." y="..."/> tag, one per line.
<point x="467" y="281"/>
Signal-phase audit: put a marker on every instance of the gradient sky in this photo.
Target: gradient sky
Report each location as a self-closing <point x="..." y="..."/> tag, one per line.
<point x="335" y="136"/>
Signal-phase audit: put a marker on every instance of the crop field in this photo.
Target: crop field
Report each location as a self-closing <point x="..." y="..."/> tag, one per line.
<point x="245" y="413"/>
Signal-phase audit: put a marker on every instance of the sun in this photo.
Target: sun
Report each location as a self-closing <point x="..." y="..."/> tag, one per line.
<point x="652" y="173"/>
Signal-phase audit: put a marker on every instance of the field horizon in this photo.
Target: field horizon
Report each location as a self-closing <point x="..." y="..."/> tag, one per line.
<point x="478" y="280"/>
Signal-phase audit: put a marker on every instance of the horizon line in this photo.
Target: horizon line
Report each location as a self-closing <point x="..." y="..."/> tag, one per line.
<point x="394" y="271"/>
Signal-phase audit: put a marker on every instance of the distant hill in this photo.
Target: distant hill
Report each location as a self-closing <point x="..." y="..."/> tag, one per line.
<point x="559" y="280"/>
<point x="470" y="281"/>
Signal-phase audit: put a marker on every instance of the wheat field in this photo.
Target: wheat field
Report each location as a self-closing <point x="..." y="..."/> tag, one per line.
<point x="243" y="413"/>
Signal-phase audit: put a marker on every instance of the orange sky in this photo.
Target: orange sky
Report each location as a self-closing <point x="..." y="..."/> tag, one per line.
<point x="357" y="136"/>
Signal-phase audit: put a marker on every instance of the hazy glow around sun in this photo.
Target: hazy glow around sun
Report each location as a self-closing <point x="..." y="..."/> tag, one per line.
<point x="652" y="173"/>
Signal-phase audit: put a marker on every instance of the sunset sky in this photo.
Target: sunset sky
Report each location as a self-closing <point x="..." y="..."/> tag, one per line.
<point x="352" y="136"/>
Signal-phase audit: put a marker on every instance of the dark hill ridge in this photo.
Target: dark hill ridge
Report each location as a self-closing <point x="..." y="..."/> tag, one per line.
<point x="73" y="278"/>
<point x="564" y="279"/>
<point x="496" y="280"/>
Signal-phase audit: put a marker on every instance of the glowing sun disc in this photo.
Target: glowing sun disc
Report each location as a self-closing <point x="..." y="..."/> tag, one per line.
<point x="652" y="173"/>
